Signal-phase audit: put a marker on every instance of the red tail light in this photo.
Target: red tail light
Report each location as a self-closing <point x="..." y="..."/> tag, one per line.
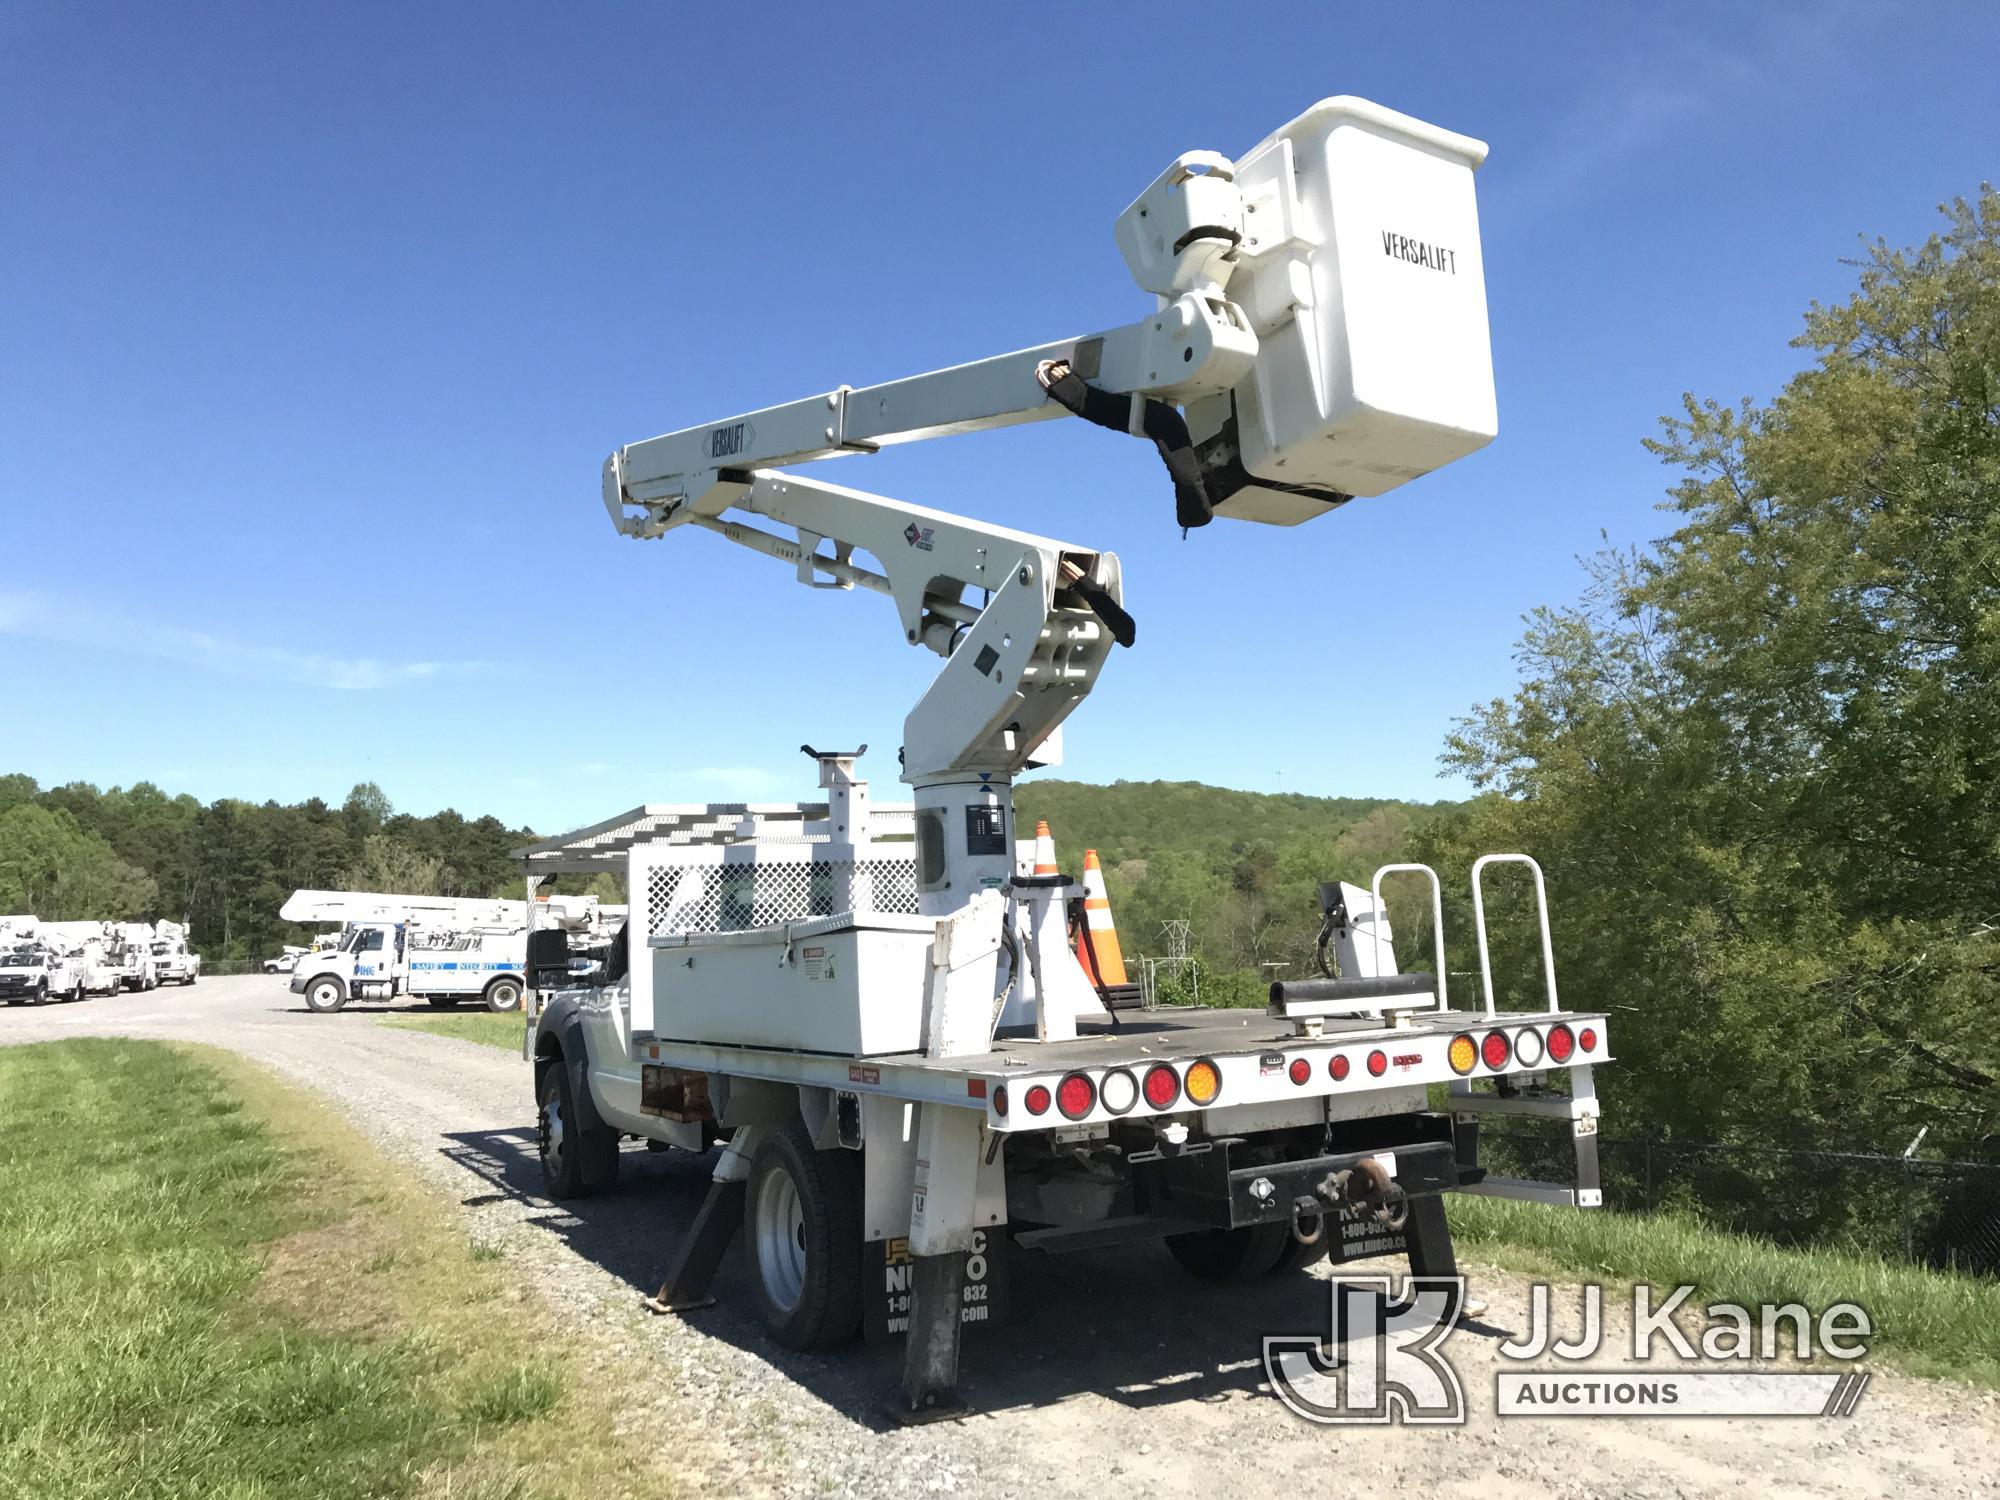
<point x="1337" y="1066"/>
<point x="1163" y="1086"/>
<point x="1038" y="1100"/>
<point x="1496" y="1051"/>
<point x="1562" y="1042"/>
<point x="1301" y="1070"/>
<point x="1000" y="1099"/>
<point x="1378" y="1062"/>
<point x="1075" y="1095"/>
<point x="1587" y="1039"/>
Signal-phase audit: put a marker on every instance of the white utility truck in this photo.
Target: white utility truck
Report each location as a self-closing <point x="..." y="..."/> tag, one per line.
<point x="90" y="945"/>
<point x="130" y="947"/>
<point x="873" y="1009"/>
<point x="440" y="949"/>
<point x="33" y="971"/>
<point x="173" y="961"/>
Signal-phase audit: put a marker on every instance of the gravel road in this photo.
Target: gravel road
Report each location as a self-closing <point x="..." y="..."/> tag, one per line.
<point x="1115" y="1373"/>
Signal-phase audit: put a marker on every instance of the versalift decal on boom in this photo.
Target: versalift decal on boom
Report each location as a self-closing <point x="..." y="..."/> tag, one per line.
<point x="1417" y="253"/>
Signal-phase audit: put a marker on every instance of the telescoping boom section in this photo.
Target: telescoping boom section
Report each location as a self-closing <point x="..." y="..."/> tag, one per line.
<point x="878" y="1012"/>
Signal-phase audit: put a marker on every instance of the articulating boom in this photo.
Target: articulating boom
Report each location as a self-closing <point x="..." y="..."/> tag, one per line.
<point x="1319" y="332"/>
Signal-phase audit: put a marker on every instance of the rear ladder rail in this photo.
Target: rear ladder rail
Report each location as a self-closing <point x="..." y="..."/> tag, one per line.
<point x="1578" y="1107"/>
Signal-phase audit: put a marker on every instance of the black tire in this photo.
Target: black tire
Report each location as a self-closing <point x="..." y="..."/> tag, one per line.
<point x="441" y="1002"/>
<point x="325" y="995"/>
<point x="808" y="1279"/>
<point x="1230" y="1255"/>
<point x="575" y="1161"/>
<point x="42" y="994"/>
<point x="503" y="995"/>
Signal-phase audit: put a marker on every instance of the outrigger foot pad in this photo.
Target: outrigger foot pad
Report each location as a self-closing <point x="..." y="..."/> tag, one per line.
<point x="686" y="1286"/>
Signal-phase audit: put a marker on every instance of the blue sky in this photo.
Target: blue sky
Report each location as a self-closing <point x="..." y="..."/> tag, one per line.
<point x="320" y="320"/>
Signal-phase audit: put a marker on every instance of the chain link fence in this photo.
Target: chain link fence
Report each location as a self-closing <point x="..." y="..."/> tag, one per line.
<point x="1944" y="1214"/>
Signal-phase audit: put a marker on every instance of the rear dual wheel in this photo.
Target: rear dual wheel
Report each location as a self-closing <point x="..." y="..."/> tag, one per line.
<point x="1231" y="1255"/>
<point x="802" y="1222"/>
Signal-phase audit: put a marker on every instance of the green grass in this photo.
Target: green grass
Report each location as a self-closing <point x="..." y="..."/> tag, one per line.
<point x="213" y="1287"/>
<point x="1926" y="1322"/>
<point x="494" y="1029"/>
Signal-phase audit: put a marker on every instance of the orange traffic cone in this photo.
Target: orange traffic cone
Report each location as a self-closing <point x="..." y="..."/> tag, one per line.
<point x="1102" y="934"/>
<point x="1045" y="849"/>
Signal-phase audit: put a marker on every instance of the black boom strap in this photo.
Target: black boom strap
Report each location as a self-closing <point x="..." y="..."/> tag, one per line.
<point x="1158" y="420"/>
<point x="1197" y="490"/>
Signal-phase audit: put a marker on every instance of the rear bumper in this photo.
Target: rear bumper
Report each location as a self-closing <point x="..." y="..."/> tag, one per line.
<point x="1219" y="1186"/>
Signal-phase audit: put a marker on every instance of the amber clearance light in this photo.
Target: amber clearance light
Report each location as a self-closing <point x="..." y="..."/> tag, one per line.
<point x="1203" y="1082"/>
<point x="1464" y="1054"/>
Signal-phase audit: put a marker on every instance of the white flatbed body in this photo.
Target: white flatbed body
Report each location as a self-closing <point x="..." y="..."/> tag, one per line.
<point x="1254" y="1053"/>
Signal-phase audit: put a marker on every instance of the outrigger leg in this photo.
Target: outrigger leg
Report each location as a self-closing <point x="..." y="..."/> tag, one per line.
<point x="701" y="1248"/>
<point x="941" y="1229"/>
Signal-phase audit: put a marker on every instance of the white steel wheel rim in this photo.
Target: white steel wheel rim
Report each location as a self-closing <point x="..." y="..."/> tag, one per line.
<point x="506" y="995"/>
<point x="781" y="1240"/>
<point x="324" y="994"/>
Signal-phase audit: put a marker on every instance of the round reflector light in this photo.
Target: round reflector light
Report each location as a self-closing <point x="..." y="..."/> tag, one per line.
<point x="1463" y="1053"/>
<point x="1301" y="1070"/>
<point x="1203" y="1082"/>
<point x="1163" y="1086"/>
<point x="1119" y="1091"/>
<point x="1337" y="1065"/>
<point x="1562" y="1042"/>
<point x="1000" y="1100"/>
<point x="1587" y="1039"/>
<point x="1038" y="1100"/>
<point x="1496" y="1050"/>
<point x="1528" y="1047"/>
<point x="1074" y="1096"/>
<point x="1378" y="1062"/>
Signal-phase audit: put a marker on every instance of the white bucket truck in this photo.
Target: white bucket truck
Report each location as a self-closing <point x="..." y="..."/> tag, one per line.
<point x="130" y="947"/>
<point x="873" y="1011"/>
<point x="443" y="950"/>
<point x="33" y="969"/>
<point x="173" y="961"/>
<point x="88" y="947"/>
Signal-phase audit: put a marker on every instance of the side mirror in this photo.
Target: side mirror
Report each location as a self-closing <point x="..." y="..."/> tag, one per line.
<point x="548" y="958"/>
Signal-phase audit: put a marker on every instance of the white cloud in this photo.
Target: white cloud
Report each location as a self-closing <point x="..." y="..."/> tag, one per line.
<point x="39" y="617"/>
